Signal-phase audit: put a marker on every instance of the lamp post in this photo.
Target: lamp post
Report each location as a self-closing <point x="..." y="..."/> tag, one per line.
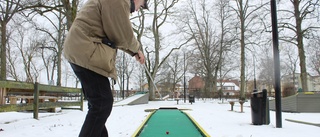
<point x="254" y="72"/>
<point x="123" y="69"/>
<point x="184" y="77"/>
<point x="276" y="57"/>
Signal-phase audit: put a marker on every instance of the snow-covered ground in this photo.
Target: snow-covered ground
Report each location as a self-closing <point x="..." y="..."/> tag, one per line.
<point x="128" y="100"/>
<point x="214" y="117"/>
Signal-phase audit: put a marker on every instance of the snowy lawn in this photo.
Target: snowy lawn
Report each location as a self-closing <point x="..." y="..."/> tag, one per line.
<point x="214" y="117"/>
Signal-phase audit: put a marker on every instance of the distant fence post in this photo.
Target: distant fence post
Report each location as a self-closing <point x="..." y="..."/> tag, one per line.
<point x="36" y="101"/>
<point x="81" y="100"/>
<point x="3" y="95"/>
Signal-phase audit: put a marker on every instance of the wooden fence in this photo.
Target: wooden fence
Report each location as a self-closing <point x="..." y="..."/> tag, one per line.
<point x="302" y="102"/>
<point x="21" y="96"/>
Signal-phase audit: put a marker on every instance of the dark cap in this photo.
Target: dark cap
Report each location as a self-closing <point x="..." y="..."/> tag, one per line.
<point x="145" y="5"/>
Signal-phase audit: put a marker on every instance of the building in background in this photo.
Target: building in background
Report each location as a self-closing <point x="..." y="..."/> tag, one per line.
<point x="228" y="87"/>
<point x="295" y="80"/>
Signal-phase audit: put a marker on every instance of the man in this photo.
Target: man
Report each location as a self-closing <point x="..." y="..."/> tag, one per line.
<point x="100" y="28"/>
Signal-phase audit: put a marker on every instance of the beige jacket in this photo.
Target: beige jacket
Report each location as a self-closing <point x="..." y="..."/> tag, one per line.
<point x="98" y="19"/>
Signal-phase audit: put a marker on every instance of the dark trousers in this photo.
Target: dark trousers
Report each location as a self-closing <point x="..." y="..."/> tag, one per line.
<point x="96" y="89"/>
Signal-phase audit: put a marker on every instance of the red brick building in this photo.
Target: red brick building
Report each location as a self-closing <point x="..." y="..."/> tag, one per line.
<point x="195" y="84"/>
<point x="229" y="87"/>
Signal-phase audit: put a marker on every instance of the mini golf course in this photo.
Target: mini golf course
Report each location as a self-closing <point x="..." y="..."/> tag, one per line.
<point x="165" y="122"/>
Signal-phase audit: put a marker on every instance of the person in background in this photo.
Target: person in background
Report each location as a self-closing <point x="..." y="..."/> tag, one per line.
<point x="99" y="30"/>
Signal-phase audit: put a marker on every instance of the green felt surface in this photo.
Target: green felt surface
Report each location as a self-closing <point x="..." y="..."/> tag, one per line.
<point x="173" y="121"/>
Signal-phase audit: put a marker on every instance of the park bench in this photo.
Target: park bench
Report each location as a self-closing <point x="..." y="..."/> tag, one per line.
<point x="29" y="99"/>
<point x="177" y="99"/>
<point x="35" y="96"/>
<point x="241" y="102"/>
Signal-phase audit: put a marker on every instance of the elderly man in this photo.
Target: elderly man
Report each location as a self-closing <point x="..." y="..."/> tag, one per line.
<point x="99" y="30"/>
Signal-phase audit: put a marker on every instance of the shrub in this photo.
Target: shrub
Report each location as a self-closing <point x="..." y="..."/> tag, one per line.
<point x="288" y="90"/>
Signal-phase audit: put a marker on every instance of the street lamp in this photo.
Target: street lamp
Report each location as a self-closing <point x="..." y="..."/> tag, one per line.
<point x="277" y="83"/>
<point x="123" y="69"/>
<point x="254" y="72"/>
<point x="184" y="76"/>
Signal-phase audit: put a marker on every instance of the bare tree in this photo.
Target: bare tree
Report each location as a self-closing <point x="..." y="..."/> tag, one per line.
<point x="68" y="8"/>
<point x="8" y="9"/>
<point x="48" y="59"/>
<point x="13" y="56"/>
<point x="201" y="27"/>
<point x="56" y="33"/>
<point x="140" y="77"/>
<point x="227" y="39"/>
<point x="28" y="50"/>
<point x="248" y="16"/>
<point x="11" y="7"/>
<point x="213" y="36"/>
<point x="129" y="70"/>
<point x="160" y="12"/>
<point x="125" y="66"/>
<point x="61" y="10"/>
<point x="175" y="70"/>
<point x="265" y="77"/>
<point x="139" y="29"/>
<point x="121" y="67"/>
<point x="305" y="14"/>
<point x="314" y="55"/>
<point x="267" y="69"/>
<point x="291" y="61"/>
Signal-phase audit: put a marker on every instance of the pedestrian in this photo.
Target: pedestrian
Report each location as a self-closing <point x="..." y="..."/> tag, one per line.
<point x="99" y="30"/>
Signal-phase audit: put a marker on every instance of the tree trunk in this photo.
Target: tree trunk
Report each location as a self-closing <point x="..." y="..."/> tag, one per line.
<point x="242" y="54"/>
<point x="3" y="75"/>
<point x="302" y="57"/>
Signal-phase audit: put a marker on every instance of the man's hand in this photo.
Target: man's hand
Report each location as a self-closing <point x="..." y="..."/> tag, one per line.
<point x="140" y="57"/>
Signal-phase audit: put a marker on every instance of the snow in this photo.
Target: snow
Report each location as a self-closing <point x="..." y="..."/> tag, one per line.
<point x="128" y="100"/>
<point x="213" y="116"/>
